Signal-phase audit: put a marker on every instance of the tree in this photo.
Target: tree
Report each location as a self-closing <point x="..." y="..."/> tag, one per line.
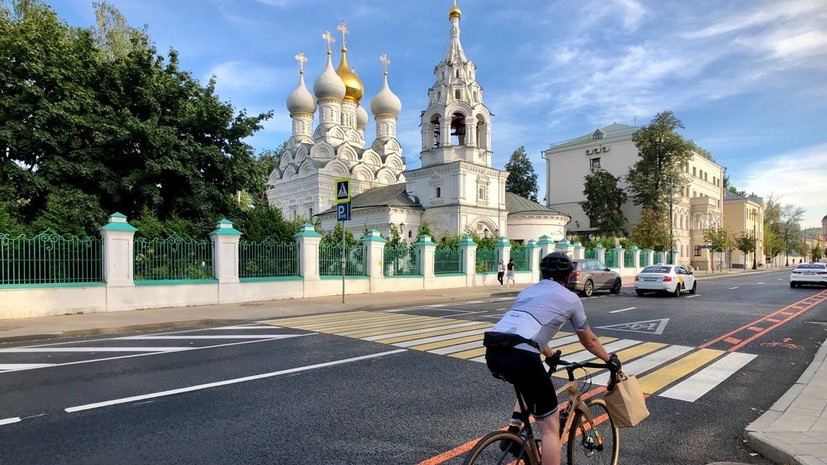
<point x="603" y="202"/>
<point x="652" y="231"/>
<point x="335" y="237"/>
<point x="521" y="177"/>
<point x="719" y="239"/>
<point x="659" y="171"/>
<point x="113" y="35"/>
<point x="816" y="253"/>
<point x="746" y="243"/>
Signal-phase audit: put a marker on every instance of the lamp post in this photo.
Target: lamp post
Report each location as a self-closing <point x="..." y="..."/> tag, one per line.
<point x="754" y="216"/>
<point x="671" y="238"/>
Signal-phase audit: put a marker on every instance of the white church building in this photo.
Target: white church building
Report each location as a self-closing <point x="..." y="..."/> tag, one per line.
<point x="456" y="190"/>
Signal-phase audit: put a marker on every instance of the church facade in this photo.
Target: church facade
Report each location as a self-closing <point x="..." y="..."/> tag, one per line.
<point x="456" y="190"/>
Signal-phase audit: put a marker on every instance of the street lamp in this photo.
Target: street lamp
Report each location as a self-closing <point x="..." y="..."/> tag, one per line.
<point x="754" y="216"/>
<point x="671" y="238"/>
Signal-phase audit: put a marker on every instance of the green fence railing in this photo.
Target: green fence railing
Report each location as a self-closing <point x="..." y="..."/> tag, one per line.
<point x="330" y="260"/>
<point x="642" y="261"/>
<point x="447" y="261"/>
<point x="591" y="254"/>
<point x="400" y="261"/>
<point x="611" y="258"/>
<point x="521" y="258"/>
<point x="629" y="259"/>
<point x="487" y="260"/>
<point x="267" y="259"/>
<point x="49" y="258"/>
<point x="174" y="258"/>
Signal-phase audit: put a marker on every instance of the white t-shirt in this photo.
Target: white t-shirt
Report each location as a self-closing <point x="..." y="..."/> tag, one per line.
<point x="539" y="311"/>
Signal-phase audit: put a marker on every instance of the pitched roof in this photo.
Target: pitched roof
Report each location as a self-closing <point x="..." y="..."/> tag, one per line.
<point x="385" y="196"/>
<point x="612" y="131"/>
<point x="516" y="204"/>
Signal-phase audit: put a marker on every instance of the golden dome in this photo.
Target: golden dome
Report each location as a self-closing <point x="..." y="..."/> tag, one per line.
<point x="353" y="85"/>
<point x="454" y="12"/>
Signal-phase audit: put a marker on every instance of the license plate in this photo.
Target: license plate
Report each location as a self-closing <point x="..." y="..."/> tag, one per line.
<point x="809" y="272"/>
<point x="650" y="279"/>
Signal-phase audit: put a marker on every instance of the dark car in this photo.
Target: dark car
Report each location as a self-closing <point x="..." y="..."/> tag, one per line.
<point x="592" y="275"/>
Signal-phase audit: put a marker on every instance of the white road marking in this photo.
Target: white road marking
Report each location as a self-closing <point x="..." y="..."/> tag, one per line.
<point x="8" y="421"/>
<point x="456" y="348"/>
<point x="23" y="366"/>
<point x="222" y="336"/>
<point x="647" y="363"/>
<point x="694" y="387"/>
<point x="693" y="296"/>
<point x="623" y="310"/>
<point x="226" y="382"/>
<point x="419" y="331"/>
<point x="29" y="350"/>
<point x="615" y="346"/>
<point x="762" y="282"/>
<point x="736" y="287"/>
<point x="444" y="337"/>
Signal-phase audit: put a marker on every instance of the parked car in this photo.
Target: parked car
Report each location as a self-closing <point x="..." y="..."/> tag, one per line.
<point x="592" y="275"/>
<point x="808" y="273"/>
<point x="671" y="279"/>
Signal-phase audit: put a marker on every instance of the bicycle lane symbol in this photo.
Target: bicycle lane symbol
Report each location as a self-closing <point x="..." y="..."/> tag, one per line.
<point x="785" y="343"/>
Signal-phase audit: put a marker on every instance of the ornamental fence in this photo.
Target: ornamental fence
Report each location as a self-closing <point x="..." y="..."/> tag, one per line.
<point x="487" y="260"/>
<point x="267" y="259"/>
<point x="447" y="260"/>
<point x="49" y="258"/>
<point x="611" y="258"/>
<point x="400" y="261"/>
<point x="629" y="259"/>
<point x="521" y="258"/>
<point x="173" y="259"/>
<point x="330" y="260"/>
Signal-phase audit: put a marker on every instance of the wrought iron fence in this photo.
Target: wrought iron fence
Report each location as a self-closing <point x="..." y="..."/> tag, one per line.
<point x="520" y="256"/>
<point x="401" y="261"/>
<point x="611" y="258"/>
<point x="642" y="261"/>
<point x="49" y="258"/>
<point x="447" y="260"/>
<point x="267" y="259"/>
<point x="591" y="254"/>
<point x="487" y="260"/>
<point x="629" y="259"/>
<point x="330" y="260"/>
<point x="173" y="258"/>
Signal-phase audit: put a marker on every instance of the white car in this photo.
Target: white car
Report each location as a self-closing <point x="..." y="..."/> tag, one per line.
<point x="808" y="273"/>
<point x="671" y="279"/>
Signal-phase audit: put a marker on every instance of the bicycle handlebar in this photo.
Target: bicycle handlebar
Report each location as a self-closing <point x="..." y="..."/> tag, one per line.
<point x="555" y="361"/>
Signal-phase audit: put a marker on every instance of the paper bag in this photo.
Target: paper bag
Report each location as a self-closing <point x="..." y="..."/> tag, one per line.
<point x="626" y="404"/>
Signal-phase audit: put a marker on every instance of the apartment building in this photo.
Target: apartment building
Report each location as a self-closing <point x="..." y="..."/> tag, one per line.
<point x="744" y="216"/>
<point x="695" y="208"/>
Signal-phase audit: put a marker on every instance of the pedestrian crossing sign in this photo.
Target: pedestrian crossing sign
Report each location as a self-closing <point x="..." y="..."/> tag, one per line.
<point x="342" y="190"/>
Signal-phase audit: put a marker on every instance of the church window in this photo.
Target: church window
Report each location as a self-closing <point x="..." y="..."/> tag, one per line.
<point x="439" y="95"/>
<point x="435" y="124"/>
<point x="410" y="234"/>
<point x="457" y="94"/>
<point x="439" y="192"/>
<point x="311" y="213"/>
<point x="457" y="129"/>
<point x="594" y="164"/>
<point x="482" y="193"/>
<point x="475" y="95"/>
<point x="457" y="73"/>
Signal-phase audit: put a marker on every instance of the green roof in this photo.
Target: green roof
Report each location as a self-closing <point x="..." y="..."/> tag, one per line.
<point x="385" y="196"/>
<point x="516" y="205"/>
<point x="612" y="131"/>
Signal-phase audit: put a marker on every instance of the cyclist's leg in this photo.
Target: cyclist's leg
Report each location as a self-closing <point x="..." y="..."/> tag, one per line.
<point x="549" y="426"/>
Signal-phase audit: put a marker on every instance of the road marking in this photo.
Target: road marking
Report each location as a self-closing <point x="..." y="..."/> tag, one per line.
<point x="646" y="363"/>
<point x="8" y="421"/>
<point x="623" y="310"/>
<point x="646" y="327"/>
<point x="23" y="366"/>
<point x="693" y="296"/>
<point x="663" y="376"/>
<point x="736" y="287"/>
<point x="125" y="400"/>
<point x="440" y="341"/>
<point x="30" y="350"/>
<point x="694" y="387"/>
<point x="762" y="282"/>
<point x="393" y="338"/>
<point x="222" y="336"/>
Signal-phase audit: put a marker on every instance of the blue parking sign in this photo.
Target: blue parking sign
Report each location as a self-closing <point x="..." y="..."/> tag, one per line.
<point x="343" y="212"/>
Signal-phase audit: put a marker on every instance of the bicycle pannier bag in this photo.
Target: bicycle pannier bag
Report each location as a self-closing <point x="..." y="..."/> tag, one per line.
<point x="625" y="402"/>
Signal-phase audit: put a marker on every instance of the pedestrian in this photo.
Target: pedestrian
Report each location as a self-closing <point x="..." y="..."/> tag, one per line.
<point x="500" y="272"/>
<point x="509" y="275"/>
<point x="515" y="343"/>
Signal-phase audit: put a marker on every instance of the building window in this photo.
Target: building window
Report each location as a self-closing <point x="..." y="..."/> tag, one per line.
<point x="457" y="94"/>
<point x="438" y="192"/>
<point x="694" y="173"/>
<point x="311" y="213"/>
<point x="594" y="164"/>
<point x="410" y="234"/>
<point x="482" y="193"/>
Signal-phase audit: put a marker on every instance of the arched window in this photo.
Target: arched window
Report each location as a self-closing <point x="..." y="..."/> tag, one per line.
<point x="457" y="94"/>
<point x="435" y="123"/>
<point x="457" y="129"/>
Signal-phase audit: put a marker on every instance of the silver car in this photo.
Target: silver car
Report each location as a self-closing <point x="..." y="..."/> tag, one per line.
<point x="592" y="275"/>
<point x="809" y="273"/>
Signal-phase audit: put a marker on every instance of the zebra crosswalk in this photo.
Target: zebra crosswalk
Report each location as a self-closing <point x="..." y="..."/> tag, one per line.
<point x="672" y="371"/>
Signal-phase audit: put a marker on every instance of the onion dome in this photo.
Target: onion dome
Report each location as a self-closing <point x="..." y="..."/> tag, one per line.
<point x="329" y="84"/>
<point x="353" y="85"/>
<point x="385" y="102"/>
<point x="361" y="117"/>
<point x="301" y="100"/>
<point x="454" y="12"/>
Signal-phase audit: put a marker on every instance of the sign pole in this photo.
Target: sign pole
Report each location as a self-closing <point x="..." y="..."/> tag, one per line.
<point x="342" y="215"/>
<point x="344" y="261"/>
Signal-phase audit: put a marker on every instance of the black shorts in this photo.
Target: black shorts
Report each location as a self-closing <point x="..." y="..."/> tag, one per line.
<point x="524" y="370"/>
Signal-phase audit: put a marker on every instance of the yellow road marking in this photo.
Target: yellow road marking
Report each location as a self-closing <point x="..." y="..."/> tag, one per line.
<point x="466" y="354"/>
<point x="448" y="342"/>
<point x="317" y="318"/>
<point x="411" y="337"/>
<point x="408" y="327"/>
<point x="662" y="377"/>
<point x="624" y="355"/>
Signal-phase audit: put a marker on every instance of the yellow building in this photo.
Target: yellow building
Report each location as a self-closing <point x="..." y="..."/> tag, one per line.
<point x="745" y="216"/>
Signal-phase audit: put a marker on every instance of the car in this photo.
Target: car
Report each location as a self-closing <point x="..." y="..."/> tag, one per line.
<point x="808" y="273"/>
<point x="671" y="279"/>
<point x="592" y="275"/>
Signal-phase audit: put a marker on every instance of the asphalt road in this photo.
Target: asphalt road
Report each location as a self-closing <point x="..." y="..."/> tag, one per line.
<point x="400" y="386"/>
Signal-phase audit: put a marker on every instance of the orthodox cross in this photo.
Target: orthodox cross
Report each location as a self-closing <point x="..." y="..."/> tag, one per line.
<point x="302" y="60"/>
<point x="329" y="39"/>
<point x="385" y="62"/>
<point x="343" y="28"/>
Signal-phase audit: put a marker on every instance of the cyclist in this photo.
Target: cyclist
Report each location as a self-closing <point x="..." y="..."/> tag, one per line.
<point x="514" y="345"/>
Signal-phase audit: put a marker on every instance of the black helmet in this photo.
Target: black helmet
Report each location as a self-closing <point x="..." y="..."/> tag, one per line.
<point x="556" y="265"/>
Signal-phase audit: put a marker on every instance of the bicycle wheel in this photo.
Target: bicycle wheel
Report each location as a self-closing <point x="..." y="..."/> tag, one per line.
<point x="596" y="441"/>
<point x="500" y="448"/>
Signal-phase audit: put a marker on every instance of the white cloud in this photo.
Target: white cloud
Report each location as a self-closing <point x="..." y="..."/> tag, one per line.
<point x="241" y="78"/>
<point x="796" y="178"/>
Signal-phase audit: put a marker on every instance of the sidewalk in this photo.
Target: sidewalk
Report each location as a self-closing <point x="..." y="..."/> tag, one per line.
<point x="793" y="431"/>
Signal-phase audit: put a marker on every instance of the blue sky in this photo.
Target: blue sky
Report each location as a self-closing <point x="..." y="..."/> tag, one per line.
<point x="748" y="78"/>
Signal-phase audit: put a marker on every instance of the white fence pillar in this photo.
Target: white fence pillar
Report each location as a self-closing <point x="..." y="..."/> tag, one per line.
<point x="469" y="260"/>
<point x="308" y="241"/>
<point x="374" y="245"/>
<point x="427" y="248"/>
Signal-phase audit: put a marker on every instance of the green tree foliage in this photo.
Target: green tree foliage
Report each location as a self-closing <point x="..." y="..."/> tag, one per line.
<point x="127" y="128"/>
<point x="652" y="231"/>
<point x="113" y="35"/>
<point x="603" y="201"/>
<point x="746" y="243"/>
<point x="425" y="228"/>
<point x="335" y="237"/>
<point x="720" y="240"/>
<point x="522" y="180"/>
<point x="784" y="223"/>
<point x="817" y="253"/>
<point x="659" y="171"/>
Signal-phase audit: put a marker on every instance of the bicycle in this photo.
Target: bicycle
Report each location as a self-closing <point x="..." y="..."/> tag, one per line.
<point x="592" y="435"/>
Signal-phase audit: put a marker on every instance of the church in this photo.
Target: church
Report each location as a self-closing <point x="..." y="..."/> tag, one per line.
<point x="456" y="190"/>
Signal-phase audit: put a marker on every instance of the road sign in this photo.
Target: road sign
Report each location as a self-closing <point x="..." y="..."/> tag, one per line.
<point x="647" y="327"/>
<point x="343" y="212"/>
<point x="342" y="190"/>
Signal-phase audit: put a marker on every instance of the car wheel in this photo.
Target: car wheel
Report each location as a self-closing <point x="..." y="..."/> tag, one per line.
<point x="616" y="286"/>
<point x="588" y="288"/>
<point x="677" y="292"/>
<point x="639" y="292"/>
<point x="694" y="288"/>
<point x="792" y="284"/>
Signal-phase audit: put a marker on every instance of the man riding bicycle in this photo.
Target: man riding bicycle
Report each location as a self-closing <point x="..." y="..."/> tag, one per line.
<point x="514" y="344"/>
